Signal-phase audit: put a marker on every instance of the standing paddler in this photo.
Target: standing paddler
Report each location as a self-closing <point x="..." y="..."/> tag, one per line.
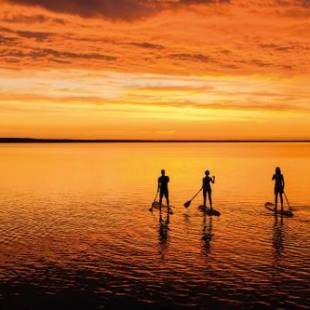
<point x="163" y="181"/>
<point x="206" y="188"/>
<point x="279" y="184"/>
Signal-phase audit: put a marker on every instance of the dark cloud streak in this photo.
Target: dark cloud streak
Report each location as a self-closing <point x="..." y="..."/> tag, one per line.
<point x="147" y="45"/>
<point x="113" y="9"/>
<point x="37" y="35"/>
<point x="121" y="9"/>
<point x="60" y="55"/>
<point x="190" y="57"/>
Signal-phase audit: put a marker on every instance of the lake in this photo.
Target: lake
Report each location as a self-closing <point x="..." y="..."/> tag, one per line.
<point x="76" y="231"/>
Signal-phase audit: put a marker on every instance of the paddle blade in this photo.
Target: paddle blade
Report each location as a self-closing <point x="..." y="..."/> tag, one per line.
<point x="187" y="203"/>
<point x="155" y="204"/>
<point x="287" y="213"/>
<point x="269" y="204"/>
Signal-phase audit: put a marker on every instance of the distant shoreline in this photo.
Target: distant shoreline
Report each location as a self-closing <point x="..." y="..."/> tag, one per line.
<point x="35" y="140"/>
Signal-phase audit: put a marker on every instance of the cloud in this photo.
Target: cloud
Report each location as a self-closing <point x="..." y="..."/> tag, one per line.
<point x="37" y="35"/>
<point x="190" y="57"/>
<point x="48" y="52"/>
<point x="148" y="45"/>
<point x="193" y="37"/>
<point x="284" y="48"/>
<point x="120" y="9"/>
<point x="10" y="17"/>
<point x="103" y="100"/>
<point x="4" y="40"/>
<point x="135" y="9"/>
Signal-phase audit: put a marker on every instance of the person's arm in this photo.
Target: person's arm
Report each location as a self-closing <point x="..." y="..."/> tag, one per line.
<point x="283" y="183"/>
<point x="213" y="179"/>
<point x="273" y="177"/>
<point x="158" y="186"/>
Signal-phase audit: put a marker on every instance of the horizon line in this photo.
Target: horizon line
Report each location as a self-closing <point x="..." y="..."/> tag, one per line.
<point x="55" y="140"/>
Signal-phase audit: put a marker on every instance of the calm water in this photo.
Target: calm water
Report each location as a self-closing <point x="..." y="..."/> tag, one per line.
<point x="75" y="230"/>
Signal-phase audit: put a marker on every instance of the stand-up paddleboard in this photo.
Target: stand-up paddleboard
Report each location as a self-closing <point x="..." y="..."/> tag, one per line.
<point x="271" y="207"/>
<point x="208" y="211"/>
<point x="156" y="205"/>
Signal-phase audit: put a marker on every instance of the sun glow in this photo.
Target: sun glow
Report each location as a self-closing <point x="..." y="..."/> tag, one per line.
<point x="235" y="74"/>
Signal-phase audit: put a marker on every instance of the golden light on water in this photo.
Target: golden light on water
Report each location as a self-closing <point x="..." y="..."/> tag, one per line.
<point x="81" y="213"/>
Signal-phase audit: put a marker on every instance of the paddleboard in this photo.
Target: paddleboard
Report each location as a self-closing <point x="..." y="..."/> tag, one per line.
<point x="155" y="205"/>
<point x="210" y="212"/>
<point x="270" y="207"/>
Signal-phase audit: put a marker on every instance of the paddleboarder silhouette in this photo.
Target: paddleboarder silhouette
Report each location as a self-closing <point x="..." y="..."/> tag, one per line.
<point x="279" y="184"/>
<point x="163" y="181"/>
<point x="206" y="188"/>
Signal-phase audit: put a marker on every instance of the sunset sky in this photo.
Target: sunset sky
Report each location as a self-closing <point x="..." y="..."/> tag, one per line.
<point x="155" y="69"/>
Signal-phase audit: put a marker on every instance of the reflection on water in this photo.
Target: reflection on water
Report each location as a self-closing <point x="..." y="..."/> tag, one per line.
<point x="164" y="232"/>
<point x="75" y="230"/>
<point x="207" y="233"/>
<point x="278" y="236"/>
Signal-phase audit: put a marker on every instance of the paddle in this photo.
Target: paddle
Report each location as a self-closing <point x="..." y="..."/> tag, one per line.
<point x="154" y="203"/>
<point x="289" y="206"/>
<point x="188" y="203"/>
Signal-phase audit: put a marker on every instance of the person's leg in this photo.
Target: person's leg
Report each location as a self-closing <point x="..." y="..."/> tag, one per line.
<point x="210" y="198"/>
<point x="281" y="200"/>
<point x="160" y="199"/>
<point x="204" y="198"/>
<point x="169" y="210"/>
<point x="167" y="198"/>
<point x="275" y="200"/>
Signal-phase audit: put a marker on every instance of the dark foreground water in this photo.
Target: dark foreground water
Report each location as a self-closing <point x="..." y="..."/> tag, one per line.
<point x="76" y="233"/>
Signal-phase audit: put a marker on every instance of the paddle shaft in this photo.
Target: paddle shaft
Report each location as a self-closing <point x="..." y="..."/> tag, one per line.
<point x="151" y="209"/>
<point x="289" y="206"/>
<point x="155" y="196"/>
<point x="196" y="194"/>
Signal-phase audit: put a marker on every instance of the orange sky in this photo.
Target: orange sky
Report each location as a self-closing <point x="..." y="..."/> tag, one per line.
<point x="166" y="69"/>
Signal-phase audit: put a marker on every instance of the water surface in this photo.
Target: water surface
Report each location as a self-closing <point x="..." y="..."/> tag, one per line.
<point x="75" y="230"/>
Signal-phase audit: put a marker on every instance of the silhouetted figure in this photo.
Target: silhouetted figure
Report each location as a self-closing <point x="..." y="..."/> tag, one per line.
<point x="278" y="188"/>
<point x="206" y="188"/>
<point x="163" y="181"/>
